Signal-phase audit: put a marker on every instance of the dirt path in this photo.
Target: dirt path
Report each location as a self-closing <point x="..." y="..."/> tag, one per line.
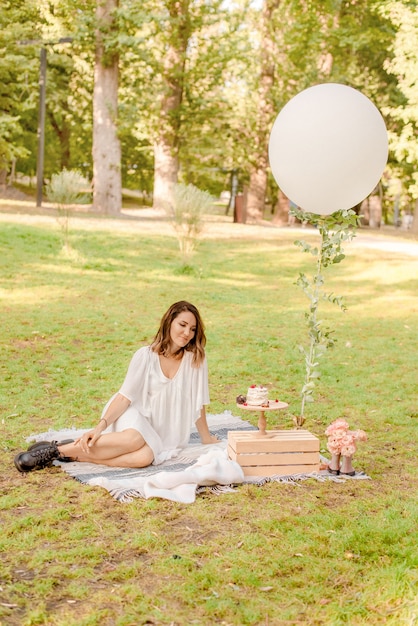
<point x="148" y="220"/>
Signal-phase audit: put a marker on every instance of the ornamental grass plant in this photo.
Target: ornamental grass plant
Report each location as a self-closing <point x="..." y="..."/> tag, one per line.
<point x="315" y="553"/>
<point x="65" y="189"/>
<point x="187" y="214"/>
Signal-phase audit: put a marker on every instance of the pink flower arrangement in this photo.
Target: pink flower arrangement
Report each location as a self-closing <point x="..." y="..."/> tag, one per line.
<point x="341" y="440"/>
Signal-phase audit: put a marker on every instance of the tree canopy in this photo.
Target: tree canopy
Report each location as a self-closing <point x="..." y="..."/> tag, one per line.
<point x="203" y="80"/>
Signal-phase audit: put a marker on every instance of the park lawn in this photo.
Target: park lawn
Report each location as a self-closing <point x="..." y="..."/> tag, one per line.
<point x="319" y="553"/>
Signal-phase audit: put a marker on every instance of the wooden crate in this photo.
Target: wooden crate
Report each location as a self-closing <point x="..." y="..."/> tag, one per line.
<point x="279" y="452"/>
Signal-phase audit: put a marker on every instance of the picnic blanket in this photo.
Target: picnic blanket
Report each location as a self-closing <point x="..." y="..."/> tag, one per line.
<point x="197" y="468"/>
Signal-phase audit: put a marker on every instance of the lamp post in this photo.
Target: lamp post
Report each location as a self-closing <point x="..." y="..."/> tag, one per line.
<point x="41" y="128"/>
<point x="42" y="110"/>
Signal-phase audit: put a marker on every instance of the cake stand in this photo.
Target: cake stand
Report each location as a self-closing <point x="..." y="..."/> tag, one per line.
<point x="274" y="405"/>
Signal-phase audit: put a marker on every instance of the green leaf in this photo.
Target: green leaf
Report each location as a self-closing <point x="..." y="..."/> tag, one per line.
<point x="315" y="374"/>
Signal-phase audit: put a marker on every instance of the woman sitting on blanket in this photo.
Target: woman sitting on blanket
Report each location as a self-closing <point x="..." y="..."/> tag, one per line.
<point x="150" y="419"/>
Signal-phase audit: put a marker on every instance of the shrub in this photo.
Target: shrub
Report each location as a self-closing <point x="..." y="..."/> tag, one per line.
<point x="189" y="206"/>
<point x="64" y="189"/>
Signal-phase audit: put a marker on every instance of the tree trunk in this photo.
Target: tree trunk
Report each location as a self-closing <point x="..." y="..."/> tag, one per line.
<point x="3" y="179"/>
<point x="281" y="212"/>
<point x="12" y="173"/>
<point x="166" y="166"/>
<point x="107" y="180"/>
<point x="257" y="191"/>
<point x="166" y="147"/>
<point x="375" y="211"/>
<point x="414" y="227"/>
<point x="258" y="174"/>
<point x="63" y="133"/>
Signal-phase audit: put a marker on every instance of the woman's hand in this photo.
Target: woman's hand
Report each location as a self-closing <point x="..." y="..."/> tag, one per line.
<point x="202" y="428"/>
<point x="208" y="439"/>
<point x="89" y="438"/>
<point x="214" y="439"/>
<point x="118" y="405"/>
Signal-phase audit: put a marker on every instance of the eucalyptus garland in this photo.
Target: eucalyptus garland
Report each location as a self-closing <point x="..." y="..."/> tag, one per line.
<point x="334" y="230"/>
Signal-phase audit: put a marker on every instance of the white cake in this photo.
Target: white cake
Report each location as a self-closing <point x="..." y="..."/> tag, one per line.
<point x="257" y="395"/>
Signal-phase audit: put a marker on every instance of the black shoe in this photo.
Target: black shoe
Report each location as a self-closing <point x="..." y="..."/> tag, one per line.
<point x="65" y="459"/>
<point x="37" y="458"/>
<point x="43" y="444"/>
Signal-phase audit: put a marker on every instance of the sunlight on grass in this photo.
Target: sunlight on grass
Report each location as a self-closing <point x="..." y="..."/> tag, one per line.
<point x="313" y="554"/>
<point x="8" y="202"/>
<point x="33" y="295"/>
<point x="379" y="272"/>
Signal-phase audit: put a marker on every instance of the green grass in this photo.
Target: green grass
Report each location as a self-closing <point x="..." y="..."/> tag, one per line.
<point x="314" y="554"/>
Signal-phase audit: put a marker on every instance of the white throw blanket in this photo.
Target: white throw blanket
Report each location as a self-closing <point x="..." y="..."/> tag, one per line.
<point x="212" y="468"/>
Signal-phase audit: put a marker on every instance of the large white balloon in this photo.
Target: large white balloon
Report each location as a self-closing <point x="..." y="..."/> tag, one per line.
<point x="328" y="148"/>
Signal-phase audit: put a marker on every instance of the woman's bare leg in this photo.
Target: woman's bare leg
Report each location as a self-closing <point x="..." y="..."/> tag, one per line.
<point x="123" y="449"/>
<point x="139" y="458"/>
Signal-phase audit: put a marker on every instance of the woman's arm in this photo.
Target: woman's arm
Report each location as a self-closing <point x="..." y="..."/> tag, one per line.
<point x="203" y="429"/>
<point x="115" y="409"/>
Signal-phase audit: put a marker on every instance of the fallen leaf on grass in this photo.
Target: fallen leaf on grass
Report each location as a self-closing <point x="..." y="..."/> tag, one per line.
<point x="234" y="586"/>
<point x="350" y="555"/>
<point x="266" y="588"/>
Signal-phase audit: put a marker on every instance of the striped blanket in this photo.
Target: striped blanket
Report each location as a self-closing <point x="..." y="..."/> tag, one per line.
<point x="197" y="468"/>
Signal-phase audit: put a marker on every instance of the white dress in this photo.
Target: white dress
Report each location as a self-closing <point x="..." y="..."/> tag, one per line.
<point x="162" y="409"/>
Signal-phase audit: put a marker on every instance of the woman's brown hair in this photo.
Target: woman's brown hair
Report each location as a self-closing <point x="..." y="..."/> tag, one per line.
<point x="161" y="342"/>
